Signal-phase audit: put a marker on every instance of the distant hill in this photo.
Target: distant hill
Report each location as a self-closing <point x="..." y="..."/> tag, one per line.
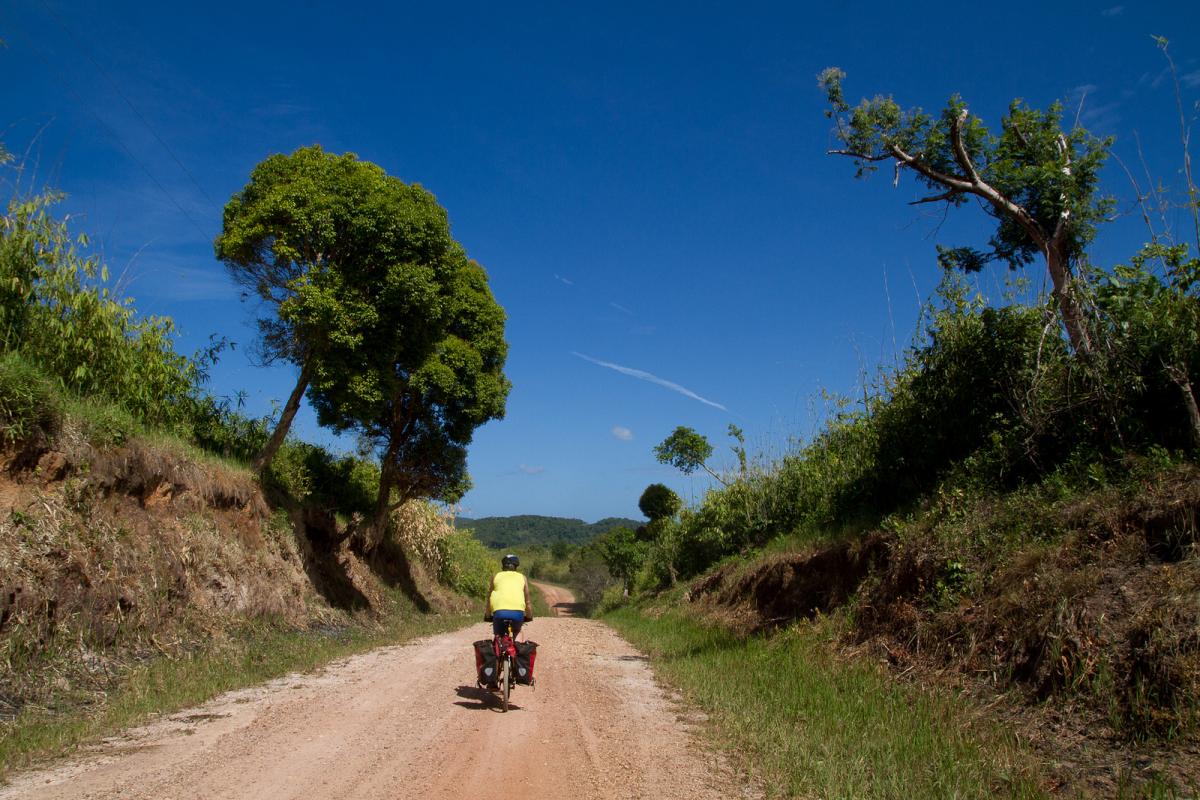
<point x="527" y="529"/>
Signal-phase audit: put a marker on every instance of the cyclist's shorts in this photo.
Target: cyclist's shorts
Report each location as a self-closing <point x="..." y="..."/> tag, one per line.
<point x="500" y="620"/>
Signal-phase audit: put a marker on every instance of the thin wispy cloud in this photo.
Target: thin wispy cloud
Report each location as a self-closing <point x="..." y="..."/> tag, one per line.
<point x="652" y="378"/>
<point x="1191" y="79"/>
<point x="622" y="433"/>
<point x="1113" y="11"/>
<point x="567" y="281"/>
<point x="530" y="470"/>
<point x="621" y="308"/>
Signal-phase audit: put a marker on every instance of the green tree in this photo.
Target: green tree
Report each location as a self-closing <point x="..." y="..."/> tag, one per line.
<point x="687" y="451"/>
<point x="307" y="237"/>
<point x="659" y="502"/>
<point x="1037" y="180"/>
<point x="623" y="554"/>
<point x="1156" y="321"/>
<point x="418" y="383"/>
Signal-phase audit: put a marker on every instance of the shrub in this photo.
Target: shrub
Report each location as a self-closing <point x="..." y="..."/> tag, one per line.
<point x="103" y="424"/>
<point x="30" y="406"/>
<point x="466" y="565"/>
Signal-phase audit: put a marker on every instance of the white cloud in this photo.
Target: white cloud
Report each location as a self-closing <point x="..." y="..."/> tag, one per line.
<point x="622" y="433"/>
<point x="1114" y="11"/>
<point x="1191" y="79"/>
<point x="646" y="376"/>
<point x="621" y="308"/>
<point x="567" y="281"/>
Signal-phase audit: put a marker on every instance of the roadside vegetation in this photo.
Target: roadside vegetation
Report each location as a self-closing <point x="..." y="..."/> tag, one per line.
<point x="805" y="724"/>
<point x="160" y="546"/>
<point x="1010" y="514"/>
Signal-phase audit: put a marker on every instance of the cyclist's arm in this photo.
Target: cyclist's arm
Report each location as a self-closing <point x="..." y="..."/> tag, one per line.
<point x="528" y="604"/>
<point x="487" y="612"/>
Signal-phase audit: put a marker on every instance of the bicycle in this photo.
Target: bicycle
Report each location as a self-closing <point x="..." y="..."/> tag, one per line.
<point x="504" y="646"/>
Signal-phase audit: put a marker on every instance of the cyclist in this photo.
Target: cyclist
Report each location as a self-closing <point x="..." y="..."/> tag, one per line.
<point x="508" y="598"/>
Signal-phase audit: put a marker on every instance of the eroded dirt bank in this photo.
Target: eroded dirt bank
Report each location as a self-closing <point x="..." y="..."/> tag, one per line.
<point x="408" y="722"/>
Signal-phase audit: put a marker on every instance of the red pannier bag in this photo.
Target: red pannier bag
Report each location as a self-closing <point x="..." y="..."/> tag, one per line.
<point x="485" y="662"/>
<point x="526" y="656"/>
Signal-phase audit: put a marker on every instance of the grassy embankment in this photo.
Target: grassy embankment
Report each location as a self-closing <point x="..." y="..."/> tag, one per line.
<point x="831" y="728"/>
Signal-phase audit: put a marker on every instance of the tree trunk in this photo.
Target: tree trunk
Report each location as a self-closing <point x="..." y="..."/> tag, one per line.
<point x="383" y="501"/>
<point x="1068" y="302"/>
<point x="285" y="421"/>
<point x="1181" y="379"/>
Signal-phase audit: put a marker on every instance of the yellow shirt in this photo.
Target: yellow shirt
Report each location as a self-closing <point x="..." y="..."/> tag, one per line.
<point x="508" y="591"/>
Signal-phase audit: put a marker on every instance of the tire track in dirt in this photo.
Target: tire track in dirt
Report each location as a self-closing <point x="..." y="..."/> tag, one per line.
<point x="408" y="721"/>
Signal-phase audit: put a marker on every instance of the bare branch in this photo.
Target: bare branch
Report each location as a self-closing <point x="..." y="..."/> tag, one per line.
<point x="960" y="150"/>
<point x="951" y="181"/>
<point x="937" y="198"/>
<point x="858" y="155"/>
<point x="1141" y="198"/>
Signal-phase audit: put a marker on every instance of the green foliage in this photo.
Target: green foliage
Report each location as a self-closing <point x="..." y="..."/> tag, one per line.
<point x="30" y="405"/>
<point x="311" y="475"/>
<point x="467" y="566"/>
<point x="623" y="554"/>
<point x="1152" y="328"/>
<point x="397" y="334"/>
<point x="103" y="424"/>
<point x="684" y="449"/>
<point x="659" y="502"/>
<point x="56" y="307"/>
<point x="1038" y="181"/>
<point x="1050" y="173"/>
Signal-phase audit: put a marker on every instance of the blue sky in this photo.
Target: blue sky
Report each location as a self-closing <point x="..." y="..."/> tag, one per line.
<point x="645" y="183"/>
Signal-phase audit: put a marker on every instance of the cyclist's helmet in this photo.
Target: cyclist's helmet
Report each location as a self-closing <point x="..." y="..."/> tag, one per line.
<point x="510" y="561"/>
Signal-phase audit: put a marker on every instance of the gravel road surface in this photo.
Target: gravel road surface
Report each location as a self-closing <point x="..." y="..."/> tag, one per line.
<point x="407" y="721"/>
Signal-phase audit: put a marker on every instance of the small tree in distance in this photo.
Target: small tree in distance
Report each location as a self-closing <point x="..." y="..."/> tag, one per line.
<point x="687" y="451"/>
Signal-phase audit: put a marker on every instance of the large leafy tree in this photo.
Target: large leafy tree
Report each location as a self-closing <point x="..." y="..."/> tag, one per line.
<point x="421" y="380"/>
<point x="307" y="236"/>
<point x="1038" y="181"/>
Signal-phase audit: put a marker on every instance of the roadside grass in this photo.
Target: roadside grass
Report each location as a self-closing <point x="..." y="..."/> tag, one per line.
<point x="809" y="724"/>
<point x="260" y="652"/>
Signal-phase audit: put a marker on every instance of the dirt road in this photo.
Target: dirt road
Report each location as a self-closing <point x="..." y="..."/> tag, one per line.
<point x="560" y="600"/>
<point x="408" y="722"/>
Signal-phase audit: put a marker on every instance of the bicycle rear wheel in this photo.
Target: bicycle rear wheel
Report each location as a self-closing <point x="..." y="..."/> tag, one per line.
<point x="506" y="682"/>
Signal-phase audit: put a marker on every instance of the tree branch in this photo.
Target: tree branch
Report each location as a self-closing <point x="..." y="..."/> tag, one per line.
<point x="858" y="155"/>
<point x="960" y="150"/>
<point x="937" y="198"/>
<point x="952" y="181"/>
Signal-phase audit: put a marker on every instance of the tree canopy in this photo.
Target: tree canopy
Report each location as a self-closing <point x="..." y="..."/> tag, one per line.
<point x="307" y="236"/>
<point x="396" y="333"/>
<point x="1038" y="181"/>
<point x="687" y="451"/>
<point x="659" y="502"/>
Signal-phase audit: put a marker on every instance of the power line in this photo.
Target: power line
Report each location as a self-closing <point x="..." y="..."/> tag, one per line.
<point x="111" y="82"/>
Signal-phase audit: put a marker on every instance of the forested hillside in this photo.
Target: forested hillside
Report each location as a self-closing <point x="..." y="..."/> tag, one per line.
<point x="531" y="529"/>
